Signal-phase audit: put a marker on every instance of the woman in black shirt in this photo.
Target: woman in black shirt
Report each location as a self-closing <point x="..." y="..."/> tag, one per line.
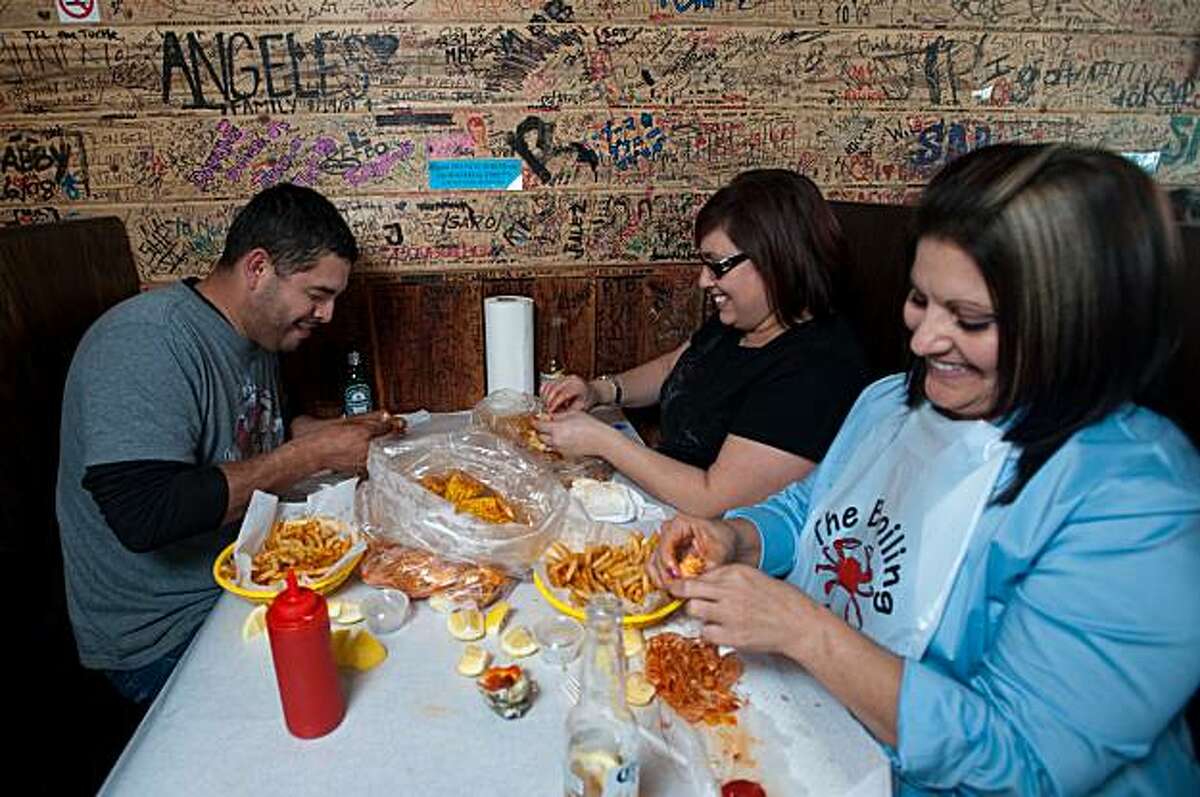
<point x="753" y="400"/>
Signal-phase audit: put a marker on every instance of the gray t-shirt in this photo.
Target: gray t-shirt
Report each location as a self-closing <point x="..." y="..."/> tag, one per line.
<point x="161" y="376"/>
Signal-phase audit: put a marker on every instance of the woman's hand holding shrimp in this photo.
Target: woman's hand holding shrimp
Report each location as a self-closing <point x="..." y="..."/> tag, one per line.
<point x="712" y="542"/>
<point x="569" y="393"/>
<point x="576" y="434"/>
<point x="745" y="608"/>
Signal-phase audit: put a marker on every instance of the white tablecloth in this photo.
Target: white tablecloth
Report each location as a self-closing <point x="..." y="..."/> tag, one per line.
<point x="413" y="726"/>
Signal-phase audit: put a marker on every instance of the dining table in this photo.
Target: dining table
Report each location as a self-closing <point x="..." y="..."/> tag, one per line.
<point x="414" y="726"/>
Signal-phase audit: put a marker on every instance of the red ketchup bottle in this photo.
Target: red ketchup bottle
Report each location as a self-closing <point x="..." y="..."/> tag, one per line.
<point x="298" y="626"/>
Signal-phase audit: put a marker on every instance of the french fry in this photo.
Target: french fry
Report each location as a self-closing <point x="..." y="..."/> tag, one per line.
<point x="616" y="569"/>
<point x="307" y="545"/>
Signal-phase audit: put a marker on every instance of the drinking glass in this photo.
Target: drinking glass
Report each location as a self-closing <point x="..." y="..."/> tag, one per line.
<point x="559" y="638"/>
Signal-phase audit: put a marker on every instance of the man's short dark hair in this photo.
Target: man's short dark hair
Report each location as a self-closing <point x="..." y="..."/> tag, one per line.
<point x="295" y="225"/>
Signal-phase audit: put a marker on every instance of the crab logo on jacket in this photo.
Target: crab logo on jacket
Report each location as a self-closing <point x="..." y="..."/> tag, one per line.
<point x="849" y="561"/>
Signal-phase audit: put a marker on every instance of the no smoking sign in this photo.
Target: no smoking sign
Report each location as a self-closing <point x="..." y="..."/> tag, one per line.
<point x="78" y="10"/>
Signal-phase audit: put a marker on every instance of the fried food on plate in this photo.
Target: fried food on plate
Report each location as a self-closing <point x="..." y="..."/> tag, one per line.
<point x="617" y="569"/>
<point x="694" y="678"/>
<point x="310" y="546"/>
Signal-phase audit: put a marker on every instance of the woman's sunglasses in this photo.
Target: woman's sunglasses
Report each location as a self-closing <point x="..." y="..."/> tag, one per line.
<point x="720" y="268"/>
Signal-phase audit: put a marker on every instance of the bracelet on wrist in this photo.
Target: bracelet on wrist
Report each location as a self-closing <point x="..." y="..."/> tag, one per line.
<point x="616" y="385"/>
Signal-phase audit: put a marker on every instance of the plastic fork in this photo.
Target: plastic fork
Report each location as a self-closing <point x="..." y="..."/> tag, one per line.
<point x="571" y="689"/>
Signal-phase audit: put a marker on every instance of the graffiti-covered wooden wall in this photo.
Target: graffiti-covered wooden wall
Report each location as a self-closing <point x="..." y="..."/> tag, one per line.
<point x="557" y="148"/>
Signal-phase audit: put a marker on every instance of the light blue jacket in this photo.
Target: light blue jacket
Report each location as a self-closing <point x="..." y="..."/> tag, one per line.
<point x="1070" y="642"/>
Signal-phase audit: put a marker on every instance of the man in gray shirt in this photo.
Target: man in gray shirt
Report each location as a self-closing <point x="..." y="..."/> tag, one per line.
<point x="171" y="419"/>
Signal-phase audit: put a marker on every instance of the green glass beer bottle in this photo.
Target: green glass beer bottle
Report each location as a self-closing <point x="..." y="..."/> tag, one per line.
<point x="356" y="394"/>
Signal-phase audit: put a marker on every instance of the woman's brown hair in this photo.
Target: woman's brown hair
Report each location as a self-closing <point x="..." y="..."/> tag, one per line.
<point x="779" y="218"/>
<point x="1083" y="263"/>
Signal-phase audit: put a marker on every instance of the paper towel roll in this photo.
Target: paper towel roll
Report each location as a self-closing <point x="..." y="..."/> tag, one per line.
<point x="508" y="341"/>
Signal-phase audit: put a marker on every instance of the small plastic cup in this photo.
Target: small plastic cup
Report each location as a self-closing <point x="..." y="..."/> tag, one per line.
<point x="560" y="638"/>
<point x="385" y="611"/>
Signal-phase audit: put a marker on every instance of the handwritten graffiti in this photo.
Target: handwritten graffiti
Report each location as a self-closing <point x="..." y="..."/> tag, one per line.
<point x="682" y="6"/>
<point x="1163" y="92"/>
<point x="364" y="159"/>
<point x="379" y="167"/>
<point x="538" y="151"/>
<point x="574" y="242"/>
<point x="43" y="165"/>
<point x="1186" y="144"/>
<point x="278" y="152"/>
<point x="631" y="140"/>
<point x="941" y="142"/>
<point x="236" y="73"/>
<point x="393" y="234"/>
<point x="451" y="145"/>
<point x="168" y="246"/>
<point x="27" y="216"/>
<point x="514" y="56"/>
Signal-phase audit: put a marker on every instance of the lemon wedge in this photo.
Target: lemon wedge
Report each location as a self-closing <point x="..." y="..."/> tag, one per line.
<point x="632" y="641"/>
<point x="349" y="613"/>
<point x="339" y="640"/>
<point x="357" y="649"/>
<point x="466" y="624"/>
<point x="595" y="763"/>
<point x="256" y="622"/>
<point x="368" y="651"/>
<point x="474" y="660"/>
<point x="335" y="610"/>
<point x="518" y="642"/>
<point x="638" y="690"/>
<point x="496" y="617"/>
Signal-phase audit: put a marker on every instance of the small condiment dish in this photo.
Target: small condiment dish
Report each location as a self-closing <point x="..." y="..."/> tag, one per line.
<point x="385" y="610"/>
<point x="559" y="637"/>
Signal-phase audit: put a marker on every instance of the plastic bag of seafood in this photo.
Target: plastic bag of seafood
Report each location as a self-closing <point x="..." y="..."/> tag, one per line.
<point x="466" y="496"/>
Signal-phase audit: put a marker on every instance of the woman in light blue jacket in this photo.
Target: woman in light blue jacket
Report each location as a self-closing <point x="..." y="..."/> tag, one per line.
<point x="996" y="568"/>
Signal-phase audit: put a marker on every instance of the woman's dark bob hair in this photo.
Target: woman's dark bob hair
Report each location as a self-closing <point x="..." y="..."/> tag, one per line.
<point x="780" y="219"/>
<point x="1084" y="267"/>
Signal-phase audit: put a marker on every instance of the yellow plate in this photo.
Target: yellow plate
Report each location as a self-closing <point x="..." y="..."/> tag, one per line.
<point x="324" y="586"/>
<point x="633" y="620"/>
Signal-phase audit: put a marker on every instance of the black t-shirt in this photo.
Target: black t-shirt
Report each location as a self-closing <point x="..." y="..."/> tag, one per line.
<point x="791" y="394"/>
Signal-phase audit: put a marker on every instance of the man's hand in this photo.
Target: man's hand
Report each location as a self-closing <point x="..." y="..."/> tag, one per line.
<point x="338" y="444"/>
<point x="342" y="444"/>
<point x="304" y="425"/>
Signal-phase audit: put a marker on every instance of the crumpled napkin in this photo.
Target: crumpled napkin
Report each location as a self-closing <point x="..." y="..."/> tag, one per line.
<point x="612" y="502"/>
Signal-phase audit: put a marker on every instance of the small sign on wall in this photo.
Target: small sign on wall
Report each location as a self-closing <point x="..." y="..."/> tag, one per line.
<point x="70" y="11"/>
<point x="475" y="174"/>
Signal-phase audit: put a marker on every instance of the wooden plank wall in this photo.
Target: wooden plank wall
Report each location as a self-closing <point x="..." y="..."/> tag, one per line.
<point x="625" y="114"/>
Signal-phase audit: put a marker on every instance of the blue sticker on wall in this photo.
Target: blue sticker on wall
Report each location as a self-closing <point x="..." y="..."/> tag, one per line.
<point x="475" y="174"/>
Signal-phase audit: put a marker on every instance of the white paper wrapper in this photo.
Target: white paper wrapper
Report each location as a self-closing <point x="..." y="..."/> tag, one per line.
<point x="608" y="501"/>
<point x="820" y="750"/>
<point x="335" y="502"/>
